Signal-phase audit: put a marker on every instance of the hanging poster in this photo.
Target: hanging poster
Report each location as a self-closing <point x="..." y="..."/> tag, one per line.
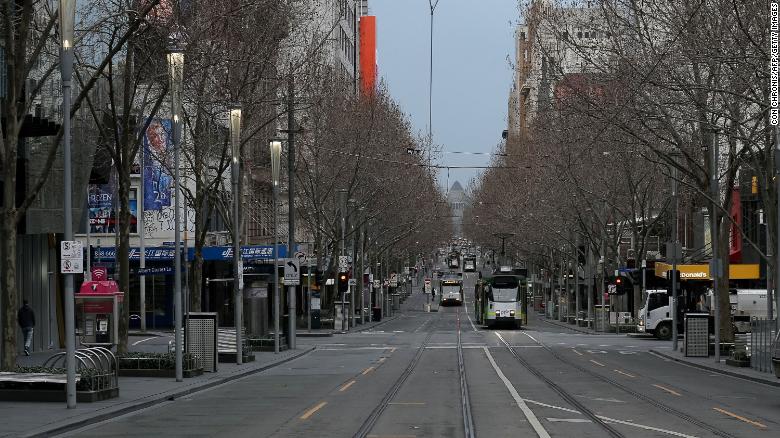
<point x="158" y="165"/>
<point x="103" y="207"/>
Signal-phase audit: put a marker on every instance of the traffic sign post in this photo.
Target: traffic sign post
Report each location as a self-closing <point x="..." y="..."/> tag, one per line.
<point x="71" y="257"/>
<point x="343" y="263"/>
<point x="292" y="272"/>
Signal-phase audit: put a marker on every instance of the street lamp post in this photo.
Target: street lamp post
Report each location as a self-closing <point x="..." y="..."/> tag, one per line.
<point x="67" y="14"/>
<point x="238" y="268"/>
<point x="276" y="152"/>
<point x="176" y="76"/>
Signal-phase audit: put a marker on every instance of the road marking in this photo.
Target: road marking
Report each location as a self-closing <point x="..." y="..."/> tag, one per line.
<point x="529" y="414"/>
<point x="392" y="436"/>
<point x="609" y="400"/>
<point x="625" y="373"/>
<point x="351" y="348"/>
<point x="532" y="338"/>
<point x="597" y="352"/>
<point x="392" y="350"/>
<point x="598" y="363"/>
<point x="568" y="420"/>
<point x="468" y="315"/>
<point x="346" y="387"/>
<point x="312" y="411"/>
<point x="407" y="403"/>
<point x="670" y="391"/>
<point x="642" y="426"/>
<point x="577" y="352"/>
<point x="739" y="417"/>
<point x="382" y="359"/>
<point x="143" y="340"/>
<point x="367" y="370"/>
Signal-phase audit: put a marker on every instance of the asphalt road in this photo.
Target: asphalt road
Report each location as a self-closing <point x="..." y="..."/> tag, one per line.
<point x="404" y="379"/>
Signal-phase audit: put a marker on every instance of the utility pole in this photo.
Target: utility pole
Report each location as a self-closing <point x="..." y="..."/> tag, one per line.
<point x="715" y="268"/>
<point x="577" y="280"/>
<point x="67" y="14"/>
<point x="291" y="292"/>
<point x="675" y="250"/>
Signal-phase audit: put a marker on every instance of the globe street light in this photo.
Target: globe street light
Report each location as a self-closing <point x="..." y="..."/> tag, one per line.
<point x="67" y="14"/>
<point x="238" y="267"/>
<point x="276" y="153"/>
<point x="176" y="76"/>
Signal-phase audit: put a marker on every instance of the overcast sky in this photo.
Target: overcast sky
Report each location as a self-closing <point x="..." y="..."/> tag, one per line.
<point x="473" y="47"/>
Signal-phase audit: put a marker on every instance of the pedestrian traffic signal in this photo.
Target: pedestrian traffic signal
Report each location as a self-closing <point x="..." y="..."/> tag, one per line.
<point x="343" y="282"/>
<point x="622" y="284"/>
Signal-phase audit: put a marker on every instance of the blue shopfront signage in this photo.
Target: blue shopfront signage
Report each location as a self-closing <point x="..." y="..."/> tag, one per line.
<point x="210" y="253"/>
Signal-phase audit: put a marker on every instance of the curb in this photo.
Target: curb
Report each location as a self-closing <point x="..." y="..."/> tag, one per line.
<point x="717" y="370"/>
<point x="78" y="424"/>
<point x="576" y="329"/>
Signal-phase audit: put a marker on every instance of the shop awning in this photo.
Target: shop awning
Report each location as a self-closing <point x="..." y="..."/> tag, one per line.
<point x="702" y="271"/>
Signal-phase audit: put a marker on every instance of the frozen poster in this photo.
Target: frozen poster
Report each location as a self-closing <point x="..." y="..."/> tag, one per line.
<point x="158" y="165"/>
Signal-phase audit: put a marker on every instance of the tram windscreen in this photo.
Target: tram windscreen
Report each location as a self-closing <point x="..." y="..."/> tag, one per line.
<point x="505" y="288"/>
<point x="505" y="282"/>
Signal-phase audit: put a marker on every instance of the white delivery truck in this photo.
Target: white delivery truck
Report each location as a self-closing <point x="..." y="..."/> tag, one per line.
<point x="655" y="316"/>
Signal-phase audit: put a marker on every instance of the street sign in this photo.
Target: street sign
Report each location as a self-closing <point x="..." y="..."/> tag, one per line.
<point x="393" y="279"/>
<point x="301" y="256"/>
<point x="292" y="272"/>
<point x="428" y="287"/>
<point x="71" y="257"/>
<point x="352" y="282"/>
<point x="343" y="263"/>
<point x="612" y="289"/>
<point x="377" y="284"/>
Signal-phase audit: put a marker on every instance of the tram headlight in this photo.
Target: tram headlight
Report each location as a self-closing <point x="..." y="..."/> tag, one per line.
<point x="511" y="313"/>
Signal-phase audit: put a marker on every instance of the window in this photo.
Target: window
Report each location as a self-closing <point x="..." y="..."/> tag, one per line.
<point x="657" y="300"/>
<point x="579" y="34"/>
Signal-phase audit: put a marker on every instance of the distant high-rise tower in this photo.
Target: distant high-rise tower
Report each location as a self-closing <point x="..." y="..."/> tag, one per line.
<point x="457" y="200"/>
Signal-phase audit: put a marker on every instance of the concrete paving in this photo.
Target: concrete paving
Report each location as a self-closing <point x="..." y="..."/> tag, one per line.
<point x="400" y="378"/>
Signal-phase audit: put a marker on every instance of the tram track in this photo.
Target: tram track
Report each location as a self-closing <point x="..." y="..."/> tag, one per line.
<point x="601" y="421"/>
<point x="468" y="423"/>
<point x="468" y="419"/>
<point x="562" y="392"/>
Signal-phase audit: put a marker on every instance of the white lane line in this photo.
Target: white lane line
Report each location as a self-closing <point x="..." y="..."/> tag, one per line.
<point x="642" y="426"/>
<point x="613" y="420"/>
<point x="143" y="340"/>
<point x="529" y="414"/>
<point x="468" y="315"/>
<point x="568" y="420"/>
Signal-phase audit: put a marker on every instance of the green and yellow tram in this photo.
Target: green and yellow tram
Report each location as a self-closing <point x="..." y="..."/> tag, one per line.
<point x="501" y="300"/>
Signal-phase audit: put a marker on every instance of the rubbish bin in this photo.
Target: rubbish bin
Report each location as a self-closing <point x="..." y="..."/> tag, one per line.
<point x="376" y="313"/>
<point x="697" y="335"/>
<point x="396" y="301"/>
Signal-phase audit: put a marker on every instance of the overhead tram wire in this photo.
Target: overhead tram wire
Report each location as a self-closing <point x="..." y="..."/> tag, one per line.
<point x="403" y="163"/>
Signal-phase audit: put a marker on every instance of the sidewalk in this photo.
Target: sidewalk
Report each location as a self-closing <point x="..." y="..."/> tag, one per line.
<point x="45" y="419"/>
<point x="573" y="327"/>
<point x="708" y="364"/>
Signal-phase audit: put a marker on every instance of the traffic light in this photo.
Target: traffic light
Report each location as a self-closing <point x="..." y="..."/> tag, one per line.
<point x="343" y="282"/>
